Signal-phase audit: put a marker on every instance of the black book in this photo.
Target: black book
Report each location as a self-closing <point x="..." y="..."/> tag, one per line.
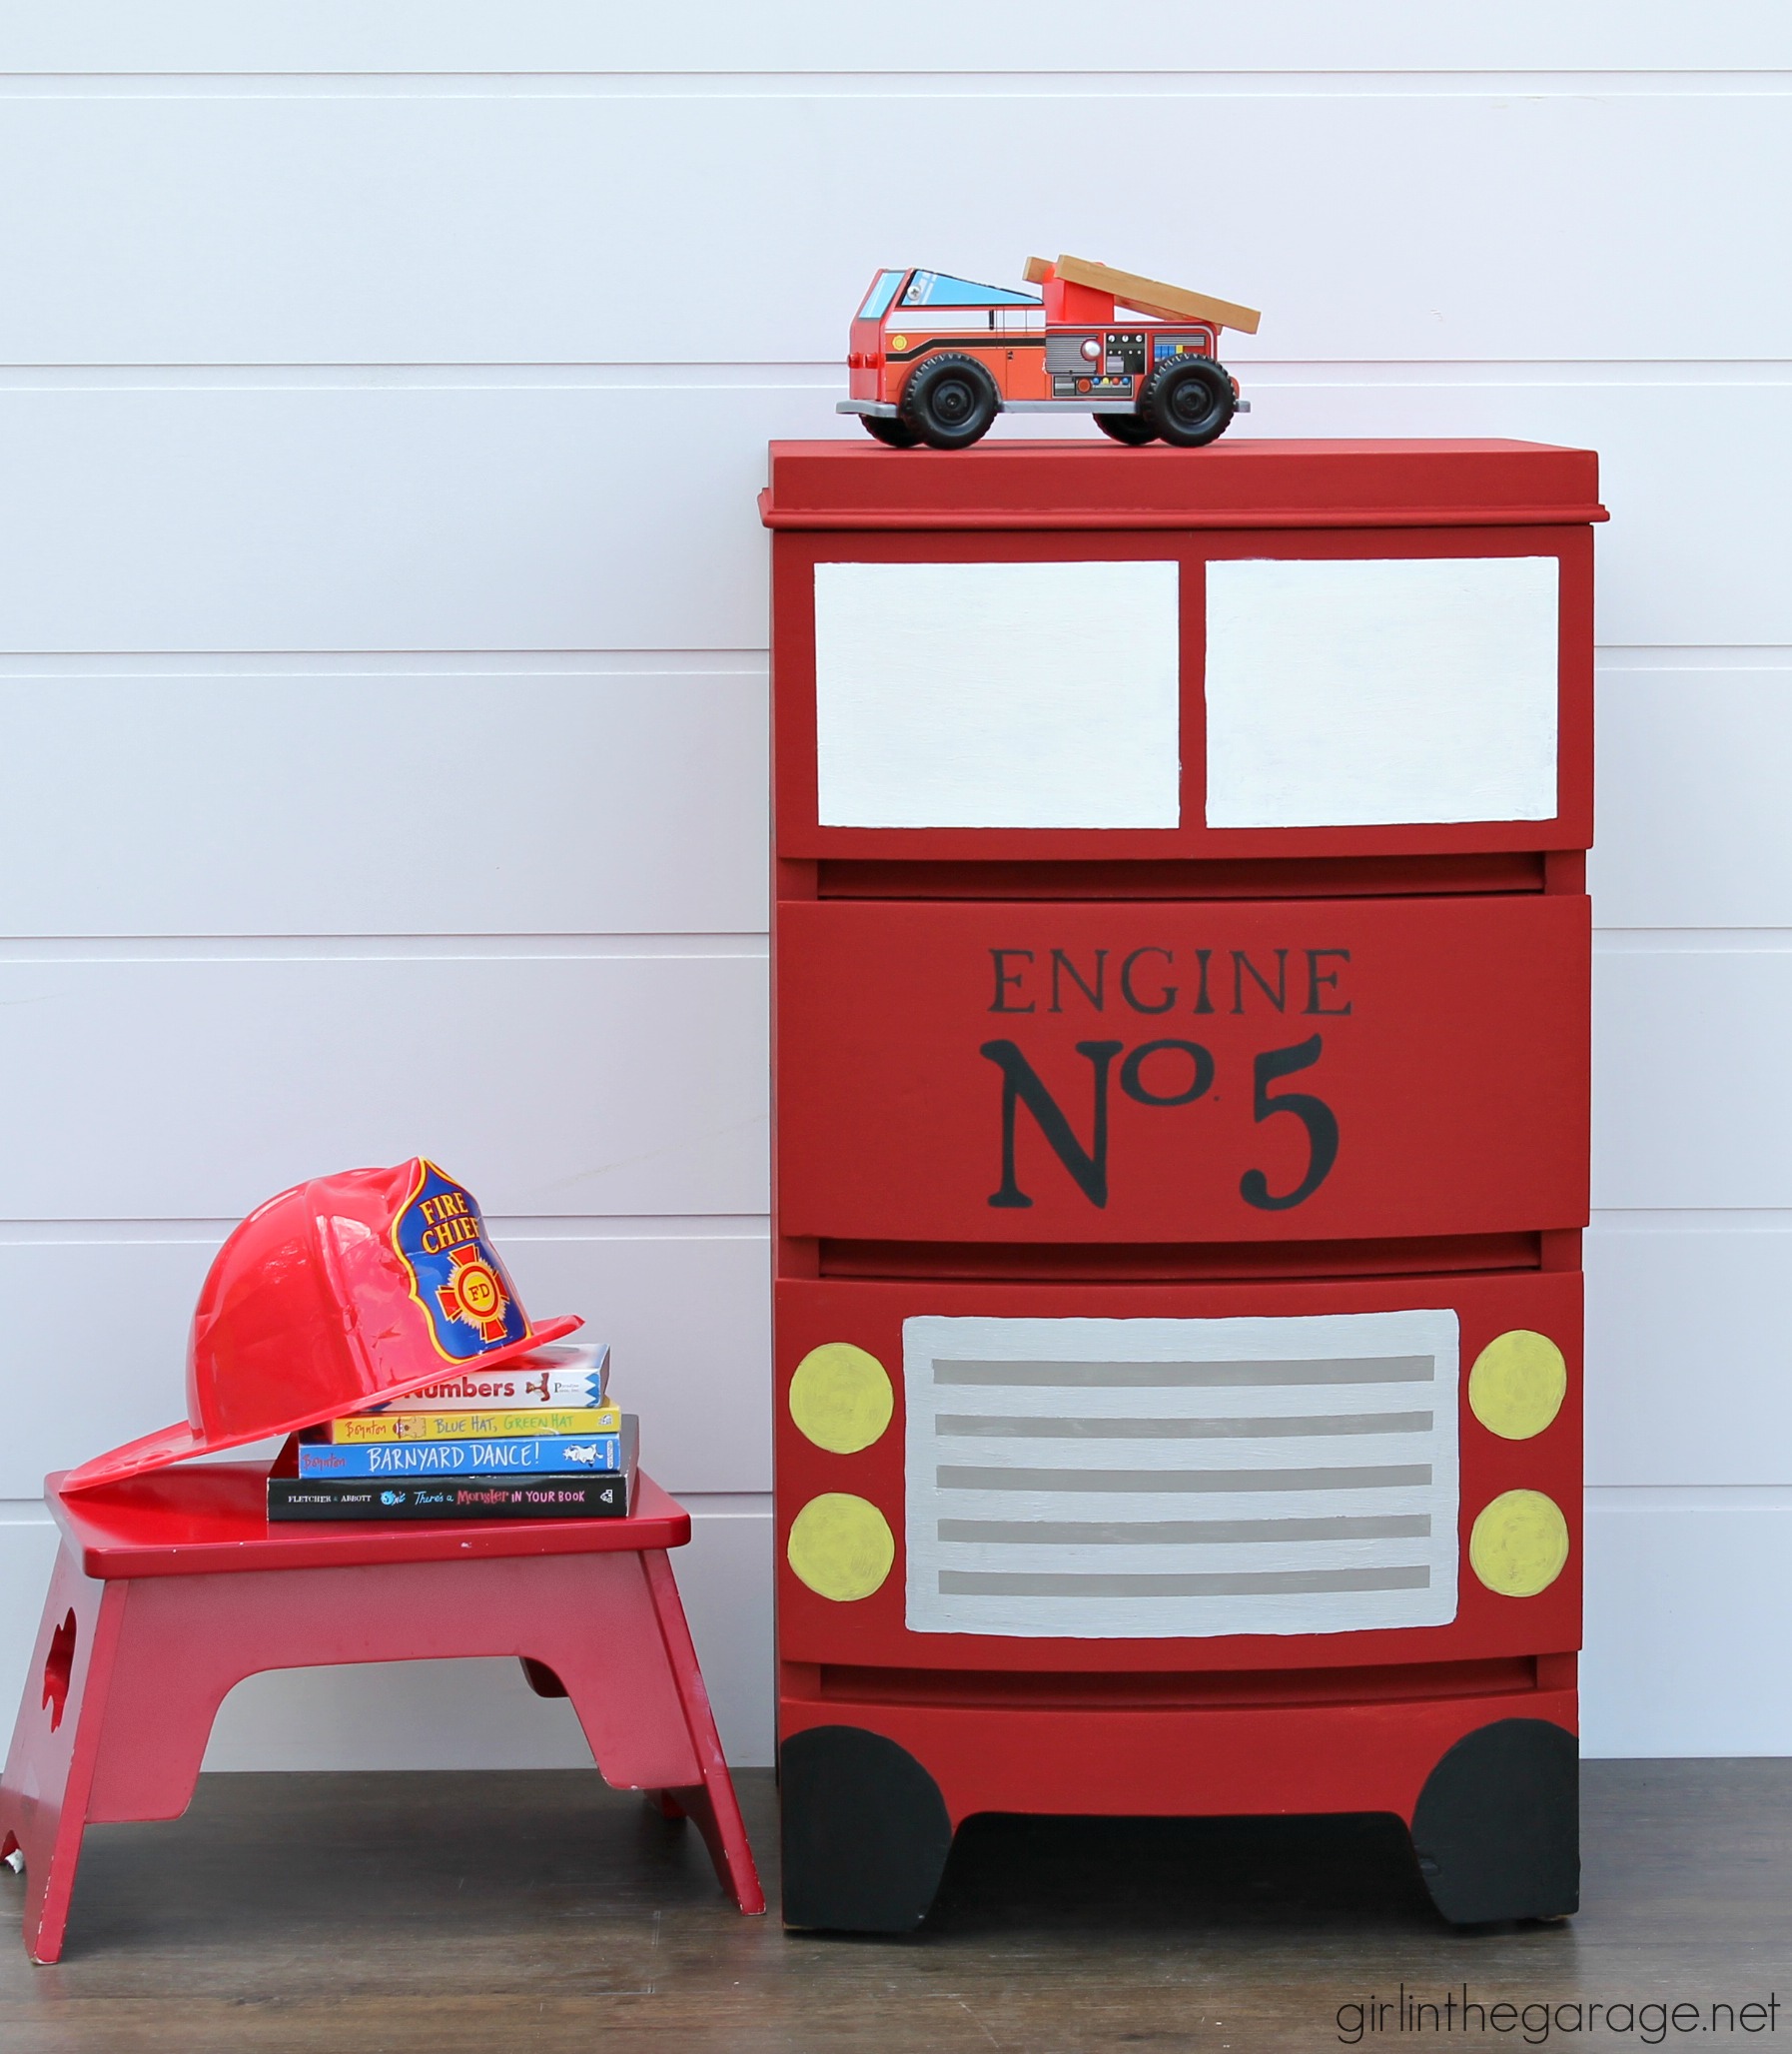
<point x="578" y="1495"/>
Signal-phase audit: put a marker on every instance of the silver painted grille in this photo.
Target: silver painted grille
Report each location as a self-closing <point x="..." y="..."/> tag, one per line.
<point x="1153" y="1479"/>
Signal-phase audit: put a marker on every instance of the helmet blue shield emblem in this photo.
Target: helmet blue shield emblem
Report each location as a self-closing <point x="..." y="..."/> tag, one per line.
<point x="456" y="1275"/>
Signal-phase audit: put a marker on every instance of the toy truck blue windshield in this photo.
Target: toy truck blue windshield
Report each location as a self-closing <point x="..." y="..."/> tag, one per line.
<point x="935" y="288"/>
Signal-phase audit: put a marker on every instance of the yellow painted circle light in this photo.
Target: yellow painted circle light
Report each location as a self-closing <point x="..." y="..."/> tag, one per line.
<point x="1518" y="1384"/>
<point x="841" y="1546"/>
<point x="840" y="1397"/>
<point x="1519" y="1545"/>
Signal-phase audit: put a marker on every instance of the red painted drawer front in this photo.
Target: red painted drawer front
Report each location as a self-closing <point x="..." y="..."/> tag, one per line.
<point x="1323" y="1468"/>
<point x="1182" y="1072"/>
<point x="1108" y="693"/>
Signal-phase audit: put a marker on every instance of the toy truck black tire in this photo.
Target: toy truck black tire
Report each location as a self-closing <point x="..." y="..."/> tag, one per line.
<point x="1188" y="400"/>
<point x="894" y="434"/>
<point x="1131" y="429"/>
<point x="949" y="402"/>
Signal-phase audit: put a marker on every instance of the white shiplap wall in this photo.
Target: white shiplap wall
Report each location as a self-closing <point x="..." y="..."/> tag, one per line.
<point x="382" y="393"/>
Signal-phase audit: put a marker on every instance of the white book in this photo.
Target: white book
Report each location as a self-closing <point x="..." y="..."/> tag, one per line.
<point x="568" y="1374"/>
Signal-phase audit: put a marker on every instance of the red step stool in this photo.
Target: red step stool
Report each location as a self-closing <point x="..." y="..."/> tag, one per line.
<point x="172" y="1588"/>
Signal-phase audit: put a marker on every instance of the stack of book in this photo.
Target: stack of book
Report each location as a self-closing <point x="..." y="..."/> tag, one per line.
<point x="537" y="1439"/>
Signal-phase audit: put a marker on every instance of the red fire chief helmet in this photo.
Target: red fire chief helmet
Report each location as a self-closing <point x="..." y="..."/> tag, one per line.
<point x="330" y="1298"/>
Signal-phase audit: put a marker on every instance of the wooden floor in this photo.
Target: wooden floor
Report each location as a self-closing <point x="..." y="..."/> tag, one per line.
<point x="539" y="1911"/>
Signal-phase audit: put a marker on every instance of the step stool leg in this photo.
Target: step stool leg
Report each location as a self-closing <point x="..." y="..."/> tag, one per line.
<point x="692" y="1801"/>
<point x="55" y="1743"/>
<point x="711" y="1805"/>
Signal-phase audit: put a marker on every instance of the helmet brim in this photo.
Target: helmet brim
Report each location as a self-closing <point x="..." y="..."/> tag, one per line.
<point x="181" y="1441"/>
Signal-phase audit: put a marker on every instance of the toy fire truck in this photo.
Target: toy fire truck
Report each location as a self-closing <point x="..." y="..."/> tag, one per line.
<point x="935" y="359"/>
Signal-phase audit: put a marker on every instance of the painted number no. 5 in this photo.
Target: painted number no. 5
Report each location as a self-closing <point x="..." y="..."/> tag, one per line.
<point x="1181" y="1073"/>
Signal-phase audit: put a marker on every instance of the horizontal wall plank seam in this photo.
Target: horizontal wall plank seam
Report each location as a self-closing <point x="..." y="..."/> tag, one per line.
<point x="745" y="945"/>
<point x="71" y="951"/>
<point x="1694" y="1219"/>
<point x="84" y="952"/>
<point x="749" y="662"/>
<point x="273" y="666"/>
<point x="1615" y="659"/>
<point x="23" y="1232"/>
<point x="1042" y="83"/>
<point x="1690" y="1497"/>
<point x="1691" y="941"/>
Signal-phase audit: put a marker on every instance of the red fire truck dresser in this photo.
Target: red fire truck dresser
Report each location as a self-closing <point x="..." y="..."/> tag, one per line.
<point x="1181" y="1003"/>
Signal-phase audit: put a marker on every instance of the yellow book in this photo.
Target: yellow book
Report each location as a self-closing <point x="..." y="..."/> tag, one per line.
<point x="538" y="1420"/>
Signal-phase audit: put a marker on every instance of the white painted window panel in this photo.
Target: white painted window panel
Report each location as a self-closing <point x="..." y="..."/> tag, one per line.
<point x="1034" y="1449"/>
<point x="560" y="1086"/>
<point x="475" y="517"/>
<point x="414" y="222"/>
<point x="618" y="803"/>
<point x="997" y="694"/>
<point x="1365" y="691"/>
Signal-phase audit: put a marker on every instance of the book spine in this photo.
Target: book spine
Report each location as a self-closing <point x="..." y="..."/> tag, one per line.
<point x="506" y="1390"/>
<point x="469" y="1425"/>
<point x="497" y="1457"/>
<point x="480" y="1497"/>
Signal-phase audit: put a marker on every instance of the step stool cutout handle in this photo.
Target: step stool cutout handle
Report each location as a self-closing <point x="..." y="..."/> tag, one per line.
<point x="59" y="1666"/>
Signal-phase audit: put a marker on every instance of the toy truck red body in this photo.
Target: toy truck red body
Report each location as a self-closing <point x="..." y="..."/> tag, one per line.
<point x="935" y="359"/>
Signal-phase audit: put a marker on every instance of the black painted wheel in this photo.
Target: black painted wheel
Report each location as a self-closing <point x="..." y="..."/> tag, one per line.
<point x="896" y="435"/>
<point x="1188" y="400"/>
<point x="949" y="402"/>
<point x="865" y="1832"/>
<point x="1131" y="429"/>
<point x="1497" y="1826"/>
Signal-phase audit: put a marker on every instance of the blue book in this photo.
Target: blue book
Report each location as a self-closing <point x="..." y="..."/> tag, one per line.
<point x="585" y="1454"/>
